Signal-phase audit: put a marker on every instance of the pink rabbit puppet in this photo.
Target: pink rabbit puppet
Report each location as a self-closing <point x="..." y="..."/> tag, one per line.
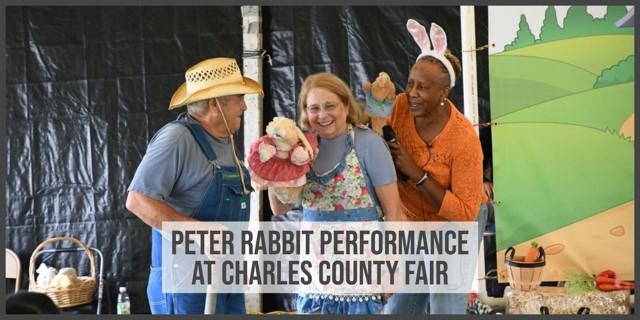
<point x="282" y="158"/>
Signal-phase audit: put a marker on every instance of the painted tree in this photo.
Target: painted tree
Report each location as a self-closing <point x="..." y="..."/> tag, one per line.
<point x="614" y="13"/>
<point x="524" y="36"/>
<point x="621" y="72"/>
<point x="578" y="22"/>
<point x="607" y="25"/>
<point x="550" y="28"/>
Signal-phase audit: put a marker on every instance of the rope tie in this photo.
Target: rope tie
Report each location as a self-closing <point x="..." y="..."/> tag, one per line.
<point x="233" y="147"/>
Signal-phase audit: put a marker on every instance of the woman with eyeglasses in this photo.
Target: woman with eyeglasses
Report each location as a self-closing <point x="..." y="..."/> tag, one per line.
<point x="352" y="179"/>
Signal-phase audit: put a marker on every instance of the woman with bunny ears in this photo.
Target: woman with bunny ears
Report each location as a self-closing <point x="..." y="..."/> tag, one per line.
<point x="439" y="152"/>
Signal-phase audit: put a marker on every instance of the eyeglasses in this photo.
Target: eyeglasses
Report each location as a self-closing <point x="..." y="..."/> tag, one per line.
<point x="328" y="107"/>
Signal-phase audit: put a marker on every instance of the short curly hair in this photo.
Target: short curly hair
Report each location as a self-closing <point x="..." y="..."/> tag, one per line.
<point x="455" y="63"/>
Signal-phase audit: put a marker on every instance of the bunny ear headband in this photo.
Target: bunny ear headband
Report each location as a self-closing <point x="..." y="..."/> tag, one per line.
<point x="439" y="40"/>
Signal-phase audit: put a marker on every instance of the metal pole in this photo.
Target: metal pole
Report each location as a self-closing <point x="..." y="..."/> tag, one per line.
<point x="252" y="68"/>
<point x="470" y="94"/>
<point x="253" y="117"/>
<point x="469" y="70"/>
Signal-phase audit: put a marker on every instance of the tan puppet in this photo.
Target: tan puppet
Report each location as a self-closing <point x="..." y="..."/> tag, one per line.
<point x="379" y="100"/>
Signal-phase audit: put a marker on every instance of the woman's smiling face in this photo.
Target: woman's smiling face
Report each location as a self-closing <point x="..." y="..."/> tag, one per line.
<point x="327" y="114"/>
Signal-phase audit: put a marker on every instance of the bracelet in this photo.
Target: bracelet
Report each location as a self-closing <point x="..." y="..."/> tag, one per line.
<point x="423" y="179"/>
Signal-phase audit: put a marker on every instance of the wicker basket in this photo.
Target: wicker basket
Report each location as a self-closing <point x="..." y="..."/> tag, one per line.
<point x="79" y="294"/>
<point x="524" y="276"/>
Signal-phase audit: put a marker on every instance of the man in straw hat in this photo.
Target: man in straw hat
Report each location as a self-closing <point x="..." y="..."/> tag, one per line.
<point x="190" y="166"/>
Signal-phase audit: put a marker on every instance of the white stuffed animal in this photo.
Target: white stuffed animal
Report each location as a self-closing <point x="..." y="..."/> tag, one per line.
<point x="65" y="278"/>
<point x="45" y="275"/>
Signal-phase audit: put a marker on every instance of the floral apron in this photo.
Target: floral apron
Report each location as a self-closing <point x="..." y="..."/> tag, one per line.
<point x="340" y="195"/>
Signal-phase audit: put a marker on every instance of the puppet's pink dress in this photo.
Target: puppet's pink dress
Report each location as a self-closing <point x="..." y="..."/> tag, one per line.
<point x="279" y="172"/>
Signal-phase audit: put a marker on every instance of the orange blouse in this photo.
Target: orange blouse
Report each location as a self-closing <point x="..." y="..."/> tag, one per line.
<point x="454" y="160"/>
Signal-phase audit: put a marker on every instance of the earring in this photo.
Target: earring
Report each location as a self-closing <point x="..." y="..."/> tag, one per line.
<point x="442" y="103"/>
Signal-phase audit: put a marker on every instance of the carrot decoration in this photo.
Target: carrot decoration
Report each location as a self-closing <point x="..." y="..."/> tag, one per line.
<point x="606" y="281"/>
<point x="608" y="273"/>
<point x="472" y="296"/>
<point x="532" y="254"/>
<point x="579" y="281"/>
<point x="622" y="285"/>
<point x="601" y="279"/>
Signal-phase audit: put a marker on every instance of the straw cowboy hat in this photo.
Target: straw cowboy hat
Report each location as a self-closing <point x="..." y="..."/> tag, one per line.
<point x="213" y="78"/>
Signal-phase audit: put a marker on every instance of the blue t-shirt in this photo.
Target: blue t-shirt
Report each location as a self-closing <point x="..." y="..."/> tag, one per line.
<point x="373" y="153"/>
<point x="175" y="170"/>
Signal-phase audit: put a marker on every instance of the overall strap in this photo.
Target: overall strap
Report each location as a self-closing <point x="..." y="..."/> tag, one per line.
<point x="201" y="138"/>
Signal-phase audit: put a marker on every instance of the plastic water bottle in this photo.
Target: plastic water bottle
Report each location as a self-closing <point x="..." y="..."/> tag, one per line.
<point x="124" y="306"/>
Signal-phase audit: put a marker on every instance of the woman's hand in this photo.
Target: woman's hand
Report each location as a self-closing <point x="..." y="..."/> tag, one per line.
<point x="277" y="207"/>
<point x="404" y="163"/>
<point x="488" y="191"/>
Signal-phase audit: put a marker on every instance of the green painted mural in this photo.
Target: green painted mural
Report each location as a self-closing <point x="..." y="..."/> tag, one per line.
<point x="561" y="106"/>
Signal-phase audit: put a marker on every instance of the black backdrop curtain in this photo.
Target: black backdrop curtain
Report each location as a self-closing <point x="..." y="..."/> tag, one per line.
<point x="86" y="89"/>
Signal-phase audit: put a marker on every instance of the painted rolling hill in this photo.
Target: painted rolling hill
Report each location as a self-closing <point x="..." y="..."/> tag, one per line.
<point x="563" y="152"/>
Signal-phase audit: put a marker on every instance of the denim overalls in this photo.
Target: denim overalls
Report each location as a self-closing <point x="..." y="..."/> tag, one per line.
<point x="343" y="194"/>
<point x="223" y="201"/>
